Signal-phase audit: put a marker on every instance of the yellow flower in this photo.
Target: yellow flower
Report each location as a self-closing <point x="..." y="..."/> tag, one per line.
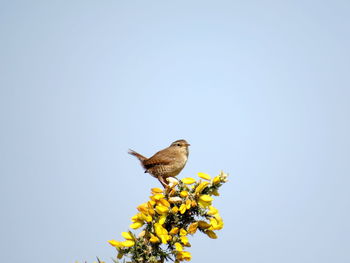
<point x="192" y="228"/>
<point x="162" y="209"/>
<point x="184" y="194"/>
<point x="175" y="209"/>
<point x="211" y="234"/>
<point x="178" y="246"/>
<point x="157" y="197"/>
<point x="206" y="198"/>
<point x="182" y="209"/>
<point x="143" y="208"/>
<point x="193" y="203"/>
<point x="212" y="211"/>
<point x="204" y="176"/>
<point x="183" y="232"/>
<point x="183" y="255"/>
<point x="165" y="238"/>
<point x="151" y="212"/>
<point x="118" y="244"/>
<point x="135" y="218"/>
<point x="188" y="180"/>
<point x="162" y="233"/>
<point x="203" y="225"/>
<point x="151" y="203"/>
<point x="188" y="203"/>
<point x="115" y="243"/>
<point x="145" y="217"/>
<point x="136" y="225"/>
<point x="216" y="193"/>
<point x="127" y="235"/>
<point x="164" y="202"/>
<point x="128" y="243"/>
<point x="201" y="187"/>
<point x="216" y="222"/>
<point x="174" y="231"/>
<point x="184" y="240"/>
<point x="216" y="179"/>
<point x="157" y="190"/>
<point x="161" y="220"/>
<point x="154" y="239"/>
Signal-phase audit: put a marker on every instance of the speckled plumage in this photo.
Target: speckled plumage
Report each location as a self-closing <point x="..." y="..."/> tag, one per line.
<point x="166" y="163"/>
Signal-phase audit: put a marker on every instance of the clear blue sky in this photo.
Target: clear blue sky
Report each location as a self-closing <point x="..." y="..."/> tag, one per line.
<point x="260" y="89"/>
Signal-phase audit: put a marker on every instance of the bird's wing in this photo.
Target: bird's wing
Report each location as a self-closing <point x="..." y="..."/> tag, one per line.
<point x="160" y="158"/>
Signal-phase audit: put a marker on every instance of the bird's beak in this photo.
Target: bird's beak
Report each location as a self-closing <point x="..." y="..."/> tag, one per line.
<point x="188" y="144"/>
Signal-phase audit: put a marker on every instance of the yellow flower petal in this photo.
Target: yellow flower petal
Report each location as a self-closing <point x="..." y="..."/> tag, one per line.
<point x="162" y="209"/>
<point x="151" y="203"/>
<point x="174" y="231"/>
<point x="143" y="208"/>
<point x="212" y="211"/>
<point x="216" y="193"/>
<point x="184" y="194"/>
<point x="203" y="225"/>
<point x="175" y="209"/>
<point x="204" y="204"/>
<point x="135" y="218"/>
<point x="160" y="230"/>
<point x="216" y="179"/>
<point x="184" y="240"/>
<point x="154" y="239"/>
<point x="128" y="243"/>
<point x="178" y="246"/>
<point x="188" y="180"/>
<point x="146" y="218"/>
<point x="165" y="238"/>
<point x="157" y="190"/>
<point x="206" y="198"/>
<point x="127" y="235"/>
<point x="164" y="202"/>
<point x="157" y="197"/>
<point x="115" y="243"/>
<point x="183" y="232"/>
<point x="211" y="234"/>
<point x="161" y="220"/>
<point x="201" y="187"/>
<point x="204" y="176"/>
<point x="183" y="255"/>
<point x="192" y="228"/>
<point x="214" y="224"/>
<point x="188" y="204"/>
<point x="182" y="209"/>
<point x="136" y="225"/>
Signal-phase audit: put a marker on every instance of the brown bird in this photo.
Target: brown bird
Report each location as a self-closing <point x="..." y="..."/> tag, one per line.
<point x="166" y="163"/>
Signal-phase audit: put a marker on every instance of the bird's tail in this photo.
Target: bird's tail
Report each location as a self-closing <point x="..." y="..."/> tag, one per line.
<point x="137" y="155"/>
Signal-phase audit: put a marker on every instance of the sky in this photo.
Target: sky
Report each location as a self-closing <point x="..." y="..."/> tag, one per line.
<point x="260" y="89"/>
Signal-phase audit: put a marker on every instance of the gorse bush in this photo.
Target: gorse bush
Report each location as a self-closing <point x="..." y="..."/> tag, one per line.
<point x="168" y="217"/>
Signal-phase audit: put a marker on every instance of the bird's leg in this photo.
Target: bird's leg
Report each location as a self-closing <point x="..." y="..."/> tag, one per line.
<point x="161" y="180"/>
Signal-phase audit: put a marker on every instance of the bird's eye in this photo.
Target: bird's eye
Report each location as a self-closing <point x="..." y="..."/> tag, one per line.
<point x="178" y="144"/>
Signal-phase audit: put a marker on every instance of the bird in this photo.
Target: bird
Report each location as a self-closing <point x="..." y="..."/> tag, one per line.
<point x="167" y="162"/>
